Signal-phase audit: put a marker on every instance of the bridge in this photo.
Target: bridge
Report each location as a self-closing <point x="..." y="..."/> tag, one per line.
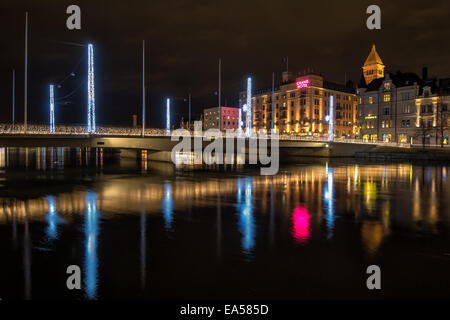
<point x="158" y="143"/>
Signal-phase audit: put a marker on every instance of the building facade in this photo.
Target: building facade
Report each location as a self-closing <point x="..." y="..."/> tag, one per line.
<point x="402" y="107"/>
<point x="230" y="118"/>
<point x="301" y="107"/>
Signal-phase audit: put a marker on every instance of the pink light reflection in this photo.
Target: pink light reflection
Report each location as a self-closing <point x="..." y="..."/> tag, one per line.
<point x="300" y="224"/>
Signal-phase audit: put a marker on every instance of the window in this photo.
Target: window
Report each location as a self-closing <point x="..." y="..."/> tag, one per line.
<point x="406" y="108"/>
<point x="386" y="111"/>
<point x="387" y="86"/>
<point x="370" y="100"/>
<point x="387" y="98"/>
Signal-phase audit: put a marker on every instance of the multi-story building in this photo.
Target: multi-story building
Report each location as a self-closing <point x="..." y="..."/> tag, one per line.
<point x="301" y="107"/>
<point x="401" y="107"/>
<point x="230" y="118"/>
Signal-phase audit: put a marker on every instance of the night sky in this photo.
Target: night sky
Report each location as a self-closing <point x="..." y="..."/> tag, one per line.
<point x="185" y="39"/>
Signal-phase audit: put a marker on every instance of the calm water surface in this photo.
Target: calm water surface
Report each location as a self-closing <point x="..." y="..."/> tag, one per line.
<point x="148" y="230"/>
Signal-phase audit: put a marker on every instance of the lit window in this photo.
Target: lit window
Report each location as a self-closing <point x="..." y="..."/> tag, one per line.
<point x="370" y="100"/>
<point x="387" y="97"/>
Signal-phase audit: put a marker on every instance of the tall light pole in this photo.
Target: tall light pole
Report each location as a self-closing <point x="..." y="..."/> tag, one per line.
<point x="189" y="123"/>
<point x="52" y="110"/>
<point x="168" y="116"/>
<point x="143" y="88"/>
<point x="331" y="120"/>
<point x="13" y="98"/>
<point x="273" y="98"/>
<point x="248" y="116"/>
<point x="26" y="76"/>
<point x="91" y="90"/>
<point x="220" y="88"/>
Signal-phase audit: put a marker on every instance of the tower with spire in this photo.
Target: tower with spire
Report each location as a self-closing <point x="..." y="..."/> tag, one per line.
<point x="373" y="68"/>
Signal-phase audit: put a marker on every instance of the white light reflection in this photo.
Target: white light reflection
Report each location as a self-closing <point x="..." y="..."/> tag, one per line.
<point x="167" y="206"/>
<point x="91" y="229"/>
<point x="328" y="197"/>
<point x="52" y="219"/>
<point x="246" y="223"/>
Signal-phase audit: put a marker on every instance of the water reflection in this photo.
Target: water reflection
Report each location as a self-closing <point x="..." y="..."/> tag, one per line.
<point x="246" y="223"/>
<point x="27" y="260"/>
<point x="167" y="206"/>
<point x="91" y="229"/>
<point x="143" y="255"/>
<point x="52" y="218"/>
<point x="300" y="224"/>
<point x="358" y="207"/>
<point x="328" y="197"/>
<point x="2" y="157"/>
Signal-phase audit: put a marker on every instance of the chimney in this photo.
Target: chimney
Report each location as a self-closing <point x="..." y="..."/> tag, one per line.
<point x="424" y="73"/>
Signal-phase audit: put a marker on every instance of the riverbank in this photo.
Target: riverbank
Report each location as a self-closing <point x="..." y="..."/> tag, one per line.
<point x="389" y="153"/>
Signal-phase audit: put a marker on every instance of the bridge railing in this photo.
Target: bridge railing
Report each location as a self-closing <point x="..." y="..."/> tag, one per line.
<point x="7" y="128"/>
<point x="78" y="130"/>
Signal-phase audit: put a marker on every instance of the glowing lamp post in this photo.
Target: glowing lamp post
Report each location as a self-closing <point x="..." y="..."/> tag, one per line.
<point x="331" y="120"/>
<point x="240" y="119"/>
<point x="52" y="109"/>
<point x="168" y="117"/>
<point x="91" y="90"/>
<point x="248" y="116"/>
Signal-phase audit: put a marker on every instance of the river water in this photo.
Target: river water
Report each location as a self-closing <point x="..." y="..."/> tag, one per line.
<point x="147" y="230"/>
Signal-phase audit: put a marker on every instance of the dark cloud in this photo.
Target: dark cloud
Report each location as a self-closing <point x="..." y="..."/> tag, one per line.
<point x="186" y="38"/>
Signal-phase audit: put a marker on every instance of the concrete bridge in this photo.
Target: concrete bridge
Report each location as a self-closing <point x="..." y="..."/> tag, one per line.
<point x="159" y="147"/>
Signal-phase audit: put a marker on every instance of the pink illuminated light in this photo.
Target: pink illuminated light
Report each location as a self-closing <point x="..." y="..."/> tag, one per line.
<point x="302" y="84"/>
<point x="300" y="224"/>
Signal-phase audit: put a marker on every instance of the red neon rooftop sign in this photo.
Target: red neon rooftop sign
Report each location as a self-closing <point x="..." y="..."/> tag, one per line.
<point x="302" y="84"/>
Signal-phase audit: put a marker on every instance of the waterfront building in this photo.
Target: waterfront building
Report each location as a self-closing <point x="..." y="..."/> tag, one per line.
<point x="402" y="107"/>
<point x="230" y="118"/>
<point x="301" y="106"/>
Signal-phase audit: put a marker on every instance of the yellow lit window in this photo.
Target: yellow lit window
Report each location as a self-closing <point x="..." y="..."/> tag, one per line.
<point x="387" y="97"/>
<point x="370" y="100"/>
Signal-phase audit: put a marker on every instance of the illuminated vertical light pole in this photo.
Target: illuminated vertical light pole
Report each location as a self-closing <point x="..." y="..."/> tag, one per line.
<point x="240" y="120"/>
<point x="168" y="117"/>
<point x="143" y="88"/>
<point x="25" y="107"/>
<point x="13" y="98"/>
<point x="273" y="100"/>
<point x="219" y="94"/>
<point x="52" y="110"/>
<point x="248" y="116"/>
<point x="91" y="90"/>
<point x="331" y="120"/>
